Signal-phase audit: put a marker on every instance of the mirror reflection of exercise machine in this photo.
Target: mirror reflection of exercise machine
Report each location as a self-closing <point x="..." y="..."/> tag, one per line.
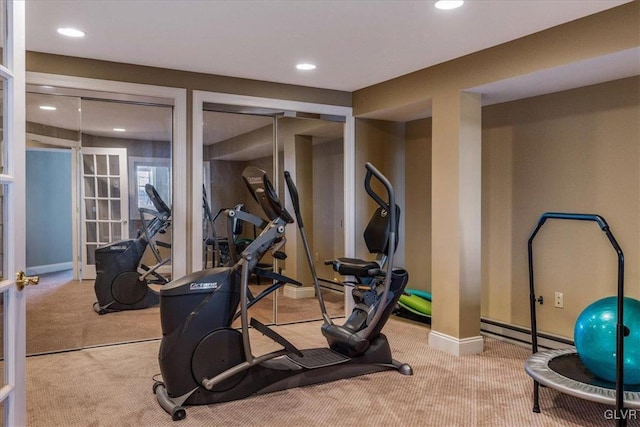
<point x="122" y="280"/>
<point x="216" y="249"/>
<point x="204" y="360"/>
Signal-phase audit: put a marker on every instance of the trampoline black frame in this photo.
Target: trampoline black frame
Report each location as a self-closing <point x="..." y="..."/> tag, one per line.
<point x="619" y="395"/>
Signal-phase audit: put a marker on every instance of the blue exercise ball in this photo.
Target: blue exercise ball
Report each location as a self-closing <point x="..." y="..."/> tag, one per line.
<point x="595" y="338"/>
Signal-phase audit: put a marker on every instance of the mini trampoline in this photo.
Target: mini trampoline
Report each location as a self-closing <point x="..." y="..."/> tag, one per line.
<point x="562" y="369"/>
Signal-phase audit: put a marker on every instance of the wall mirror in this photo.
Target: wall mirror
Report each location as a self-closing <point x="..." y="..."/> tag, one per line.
<point x="90" y="156"/>
<point x="311" y="148"/>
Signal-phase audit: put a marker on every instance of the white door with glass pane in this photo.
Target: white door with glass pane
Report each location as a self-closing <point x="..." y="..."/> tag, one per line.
<point x="13" y="395"/>
<point x="105" y="202"/>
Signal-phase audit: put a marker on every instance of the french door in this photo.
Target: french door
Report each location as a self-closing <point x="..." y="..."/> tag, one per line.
<point x="105" y="202"/>
<point x="12" y="206"/>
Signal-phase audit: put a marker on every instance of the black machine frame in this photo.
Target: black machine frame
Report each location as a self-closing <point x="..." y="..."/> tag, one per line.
<point x="204" y="359"/>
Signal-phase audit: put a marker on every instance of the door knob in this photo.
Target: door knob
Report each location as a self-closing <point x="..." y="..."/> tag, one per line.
<point x="23" y="280"/>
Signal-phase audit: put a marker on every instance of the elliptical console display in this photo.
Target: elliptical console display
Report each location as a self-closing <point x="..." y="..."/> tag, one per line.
<point x="204" y="360"/>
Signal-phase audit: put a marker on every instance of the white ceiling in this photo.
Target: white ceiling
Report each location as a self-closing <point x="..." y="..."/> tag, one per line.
<point x="355" y="43"/>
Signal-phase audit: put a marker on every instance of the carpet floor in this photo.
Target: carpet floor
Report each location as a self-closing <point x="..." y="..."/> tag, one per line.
<point x="112" y="386"/>
<point x="60" y="315"/>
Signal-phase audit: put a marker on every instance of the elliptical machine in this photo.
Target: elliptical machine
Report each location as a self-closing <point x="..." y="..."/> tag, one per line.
<point x="121" y="279"/>
<point x="204" y="360"/>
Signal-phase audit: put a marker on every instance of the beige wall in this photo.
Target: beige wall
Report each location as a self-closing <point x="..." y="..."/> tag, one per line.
<point x="328" y="205"/>
<point x="381" y="143"/>
<point x="417" y="213"/>
<point x="574" y="151"/>
<point x="445" y="83"/>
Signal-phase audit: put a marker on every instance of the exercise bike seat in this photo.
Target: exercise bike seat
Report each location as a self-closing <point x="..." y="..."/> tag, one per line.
<point x="376" y="237"/>
<point x="354" y="267"/>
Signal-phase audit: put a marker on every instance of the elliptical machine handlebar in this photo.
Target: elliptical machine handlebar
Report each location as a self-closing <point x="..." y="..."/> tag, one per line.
<point x="372" y="171"/>
<point x="293" y="192"/>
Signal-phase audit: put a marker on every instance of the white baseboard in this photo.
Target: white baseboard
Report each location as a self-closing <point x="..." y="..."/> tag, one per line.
<point x="296" y="292"/>
<point x="49" y="268"/>
<point x="456" y="346"/>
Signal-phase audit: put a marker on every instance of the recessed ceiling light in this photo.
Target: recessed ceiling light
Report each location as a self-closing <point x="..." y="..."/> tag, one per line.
<point x="71" y="32"/>
<point x="48" y="107"/>
<point x="306" y="67"/>
<point x="119" y="130"/>
<point x="448" y="4"/>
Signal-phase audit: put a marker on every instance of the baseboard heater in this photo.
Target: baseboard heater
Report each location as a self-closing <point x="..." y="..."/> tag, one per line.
<point x="521" y="336"/>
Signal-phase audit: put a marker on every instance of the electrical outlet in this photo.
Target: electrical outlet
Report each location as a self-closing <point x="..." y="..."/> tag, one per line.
<point x="559" y="301"/>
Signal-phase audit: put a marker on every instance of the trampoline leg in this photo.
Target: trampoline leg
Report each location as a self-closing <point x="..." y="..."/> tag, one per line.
<point x="536" y="397"/>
